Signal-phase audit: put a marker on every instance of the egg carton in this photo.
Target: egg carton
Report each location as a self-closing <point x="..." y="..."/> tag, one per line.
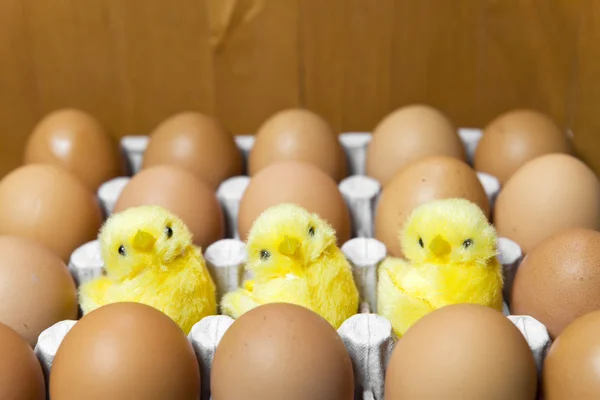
<point x="367" y="336"/>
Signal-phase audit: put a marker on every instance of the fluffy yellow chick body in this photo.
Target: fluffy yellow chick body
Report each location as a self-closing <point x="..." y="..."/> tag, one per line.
<point x="294" y="258"/>
<point x="150" y="258"/>
<point x="450" y="251"/>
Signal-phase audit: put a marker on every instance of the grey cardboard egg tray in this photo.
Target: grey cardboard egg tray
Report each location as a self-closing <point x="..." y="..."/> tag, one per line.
<point x="368" y="336"/>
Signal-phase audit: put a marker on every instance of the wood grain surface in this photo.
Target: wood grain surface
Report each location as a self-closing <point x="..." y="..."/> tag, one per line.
<point x="133" y="63"/>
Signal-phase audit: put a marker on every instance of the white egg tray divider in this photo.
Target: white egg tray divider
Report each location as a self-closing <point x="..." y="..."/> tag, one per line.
<point x="367" y="336"/>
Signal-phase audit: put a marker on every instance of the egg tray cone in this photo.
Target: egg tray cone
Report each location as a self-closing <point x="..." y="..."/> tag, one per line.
<point x="367" y="336"/>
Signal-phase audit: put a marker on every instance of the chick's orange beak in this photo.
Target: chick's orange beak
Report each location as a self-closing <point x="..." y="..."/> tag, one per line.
<point x="439" y="246"/>
<point x="289" y="246"/>
<point x="143" y="241"/>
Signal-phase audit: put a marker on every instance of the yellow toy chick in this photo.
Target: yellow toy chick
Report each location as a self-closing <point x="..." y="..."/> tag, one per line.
<point x="149" y="258"/>
<point x="294" y="258"/>
<point x="450" y="250"/>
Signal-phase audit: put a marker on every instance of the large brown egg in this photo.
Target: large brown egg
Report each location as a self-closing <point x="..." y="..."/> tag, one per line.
<point x="559" y="280"/>
<point x="571" y="367"/>
<point x="514" y="138"/>
<point x="462" y="351"/>
<point x="195" y="142"/>
<point x="298" y="135"/>
<point x="180" y="192"/>
<point x="425" y="180"/>
<point x="281" y="351"/>
<point x="50" y="205"/>
<point x="125" y="351"/>
<point x="76" y="141"/>
<point x="299" y="183"/>
<point x="21" y="376"/>
<point x="36" y="288"/>
<point x="407" y="135"/>
<point x="545" y="196"/>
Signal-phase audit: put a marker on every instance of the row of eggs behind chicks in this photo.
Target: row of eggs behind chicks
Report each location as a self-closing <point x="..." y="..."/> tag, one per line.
<point x="355" y="143"/>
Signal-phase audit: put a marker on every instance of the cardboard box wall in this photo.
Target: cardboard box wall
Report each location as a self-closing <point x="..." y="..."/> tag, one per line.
<point x="132" y="63"/>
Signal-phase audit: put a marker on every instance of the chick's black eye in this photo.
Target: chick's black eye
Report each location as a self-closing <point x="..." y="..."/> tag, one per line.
<point x="264" y="254"/>
<point x="467" y="243"/>
<point x="421" y="242"/>
<point x="169" y="231"/>
<point x="311" y="231"/>
<point x="122" y="250"/>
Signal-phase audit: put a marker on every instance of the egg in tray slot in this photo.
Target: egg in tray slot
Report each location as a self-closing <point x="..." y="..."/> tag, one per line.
<point x="219" y="204"/>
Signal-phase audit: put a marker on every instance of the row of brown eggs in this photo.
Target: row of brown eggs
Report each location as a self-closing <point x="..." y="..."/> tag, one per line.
<point x="276" y="351"/>
<point x="462" y="351"/>
<point x="202" y="145"/>
<point x="456" y="352"/>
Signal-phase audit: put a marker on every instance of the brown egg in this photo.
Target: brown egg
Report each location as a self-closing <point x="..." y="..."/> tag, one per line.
<point x="197" y="143"/>
<point x="462" y="351"/>
<point x="428" y="179"/>
<point x="48" y="204"/>
<point x="571" y="367"/>
<point x="559" y="280"/>
<point x="407" y="135"/>
<point x="298" y="135"/>
<point x="21" y="376"/>
<point x="547" y="195"/>
<point x="281" y="351"/>
<point x="36" y="288"/>
<point x="125" y="351"/>
<point x="180" y="192"/>
<point x="516" y="137"/>
<point x="76" y="141"/>
<point x="299" y="183"/>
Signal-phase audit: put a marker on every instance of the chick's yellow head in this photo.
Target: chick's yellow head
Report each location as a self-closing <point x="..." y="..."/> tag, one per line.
<point x="287" y="236"/>
<point x="448" y="231"/>
<point x="142" y="237"/>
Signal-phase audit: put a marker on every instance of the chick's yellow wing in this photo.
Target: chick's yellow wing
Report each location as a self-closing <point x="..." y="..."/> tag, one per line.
<point x="95" y="294"/>
<point x="185" y="292"/>
<point x="470" y="284"/>
<point x="401" y="295"/>
<point x="288" y="289"/>
<point x="335" y="295"/>
<point x="238" y="302"/>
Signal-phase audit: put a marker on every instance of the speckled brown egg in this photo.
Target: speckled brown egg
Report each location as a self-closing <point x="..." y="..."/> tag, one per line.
<point x="36" y="288"/>
<point x="462" y="351"/>
<point x="427" y="179"/>
<point x="571" y="367"/>
<point x="50" y="205"/>
<point x="125" y="351"/>
<point x="197" y="143"/>
<point x="514" y="138"/>
<point x="76" y="141"/>
<point x="180" y="192"/>
<point x="281" y="351"/>
<point x="407" y="135"/>
<point x="21" y="376"/>
<point x="298" y="135"/>
<point x="545" y="196"/>
<point x="559" y="280"/>
<point x="299" y="183"/>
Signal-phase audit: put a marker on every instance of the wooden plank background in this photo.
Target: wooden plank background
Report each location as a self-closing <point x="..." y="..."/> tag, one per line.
<point x="133" y="63"/>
